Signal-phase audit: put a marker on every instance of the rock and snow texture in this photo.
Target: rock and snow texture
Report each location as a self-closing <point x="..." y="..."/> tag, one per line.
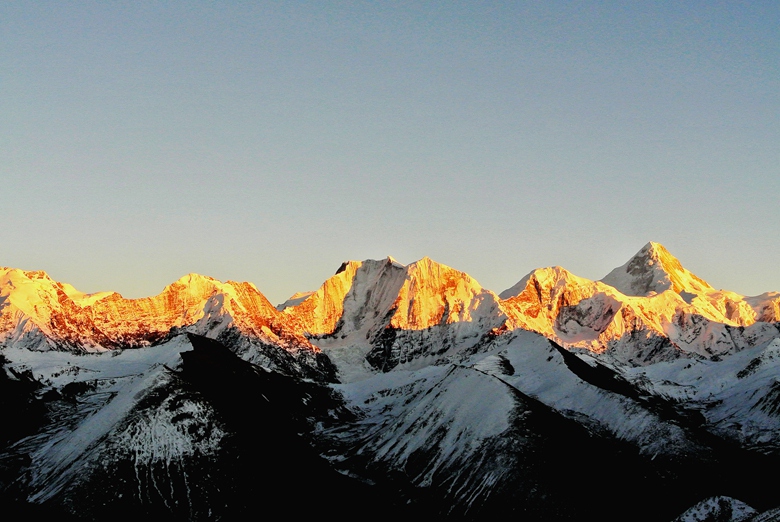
<point x="434" y="427"/>
<point x="419" y="404"/>
<point x="649" y="310"/>
<point x="389" y="315"/>
<point x="500" y="421"/>
<point x="445" y="384"/>
<point x="107" y="421"/>
<point x="39" y="313"/>
<point x="438" y="311"/>
<point x="379" y="315"/>
<point x="654" y="270"/>
<point x="532" y="365"/>
<point x="737" y="396"/>
<point x="356" y="298"/>
<point x="33" y="302"/>
<point x="723" y="509"/>
<point x="766" y="306"/>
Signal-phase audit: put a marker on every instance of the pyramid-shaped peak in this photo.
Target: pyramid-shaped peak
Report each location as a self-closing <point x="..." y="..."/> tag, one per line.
<point x="428" y="262"/>
<point x="548" y="275"/>
<point x="654" y="270"/>
<point x="428" y="268"/>
<point x="657" y="251"/>
<point x="394" y="262"/>
<point x="653" y="253"/>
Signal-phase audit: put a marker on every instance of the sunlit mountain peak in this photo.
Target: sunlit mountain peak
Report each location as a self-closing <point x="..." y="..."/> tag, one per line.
<point x="654" y="270"/>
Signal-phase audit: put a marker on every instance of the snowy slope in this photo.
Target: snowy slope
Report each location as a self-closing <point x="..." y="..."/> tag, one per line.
<point x="532" y="365"/>
<point x="101" y="424"/>
<point x="720" y="508"/>
<point x="654" y="270"/>
<point x="433" y="429"/>
<point x="737" y="395"/>
<point x="516" y="426"/>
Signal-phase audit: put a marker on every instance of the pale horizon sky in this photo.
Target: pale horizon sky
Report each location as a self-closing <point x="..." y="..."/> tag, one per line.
<point x="268" y="142"/>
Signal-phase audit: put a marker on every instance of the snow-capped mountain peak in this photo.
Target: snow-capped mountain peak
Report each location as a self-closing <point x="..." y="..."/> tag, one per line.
<point x="550" y="276"/>
<point x="434" y="293"/>
<point x="394" y="261"/>
<point x="447" y="392"/>
<point x="654" y="270"/>
<point x="39" y="313"/>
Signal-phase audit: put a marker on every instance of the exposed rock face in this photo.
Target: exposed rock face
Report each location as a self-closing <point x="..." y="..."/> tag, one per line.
<point x="399" y="315"/>
<point x="438" y="310"/>
<point x="654" y="269"/>
<point x="37" y="312"/>
<point x="351" y="299"/>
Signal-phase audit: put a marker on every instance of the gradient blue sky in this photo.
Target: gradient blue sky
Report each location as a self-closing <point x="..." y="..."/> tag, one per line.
<point x="270" y="141"/>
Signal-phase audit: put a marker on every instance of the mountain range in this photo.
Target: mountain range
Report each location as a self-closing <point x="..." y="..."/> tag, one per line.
<point x="411" y="385"/>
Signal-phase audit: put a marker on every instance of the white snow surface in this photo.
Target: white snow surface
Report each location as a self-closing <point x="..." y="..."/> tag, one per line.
<point x="737" y="395"/>
<point x="722" y="509"/>
<point x="438" y="411"/>
<point x="294" y="300"/>
<point x="121" y="379"/>
<point x="58" y="368"/>
<point x="654" y="270"/>
<point x="540" y="372"/>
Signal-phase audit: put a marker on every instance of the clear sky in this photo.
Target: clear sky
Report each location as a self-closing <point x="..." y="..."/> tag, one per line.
<point x="270" y="141"/>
